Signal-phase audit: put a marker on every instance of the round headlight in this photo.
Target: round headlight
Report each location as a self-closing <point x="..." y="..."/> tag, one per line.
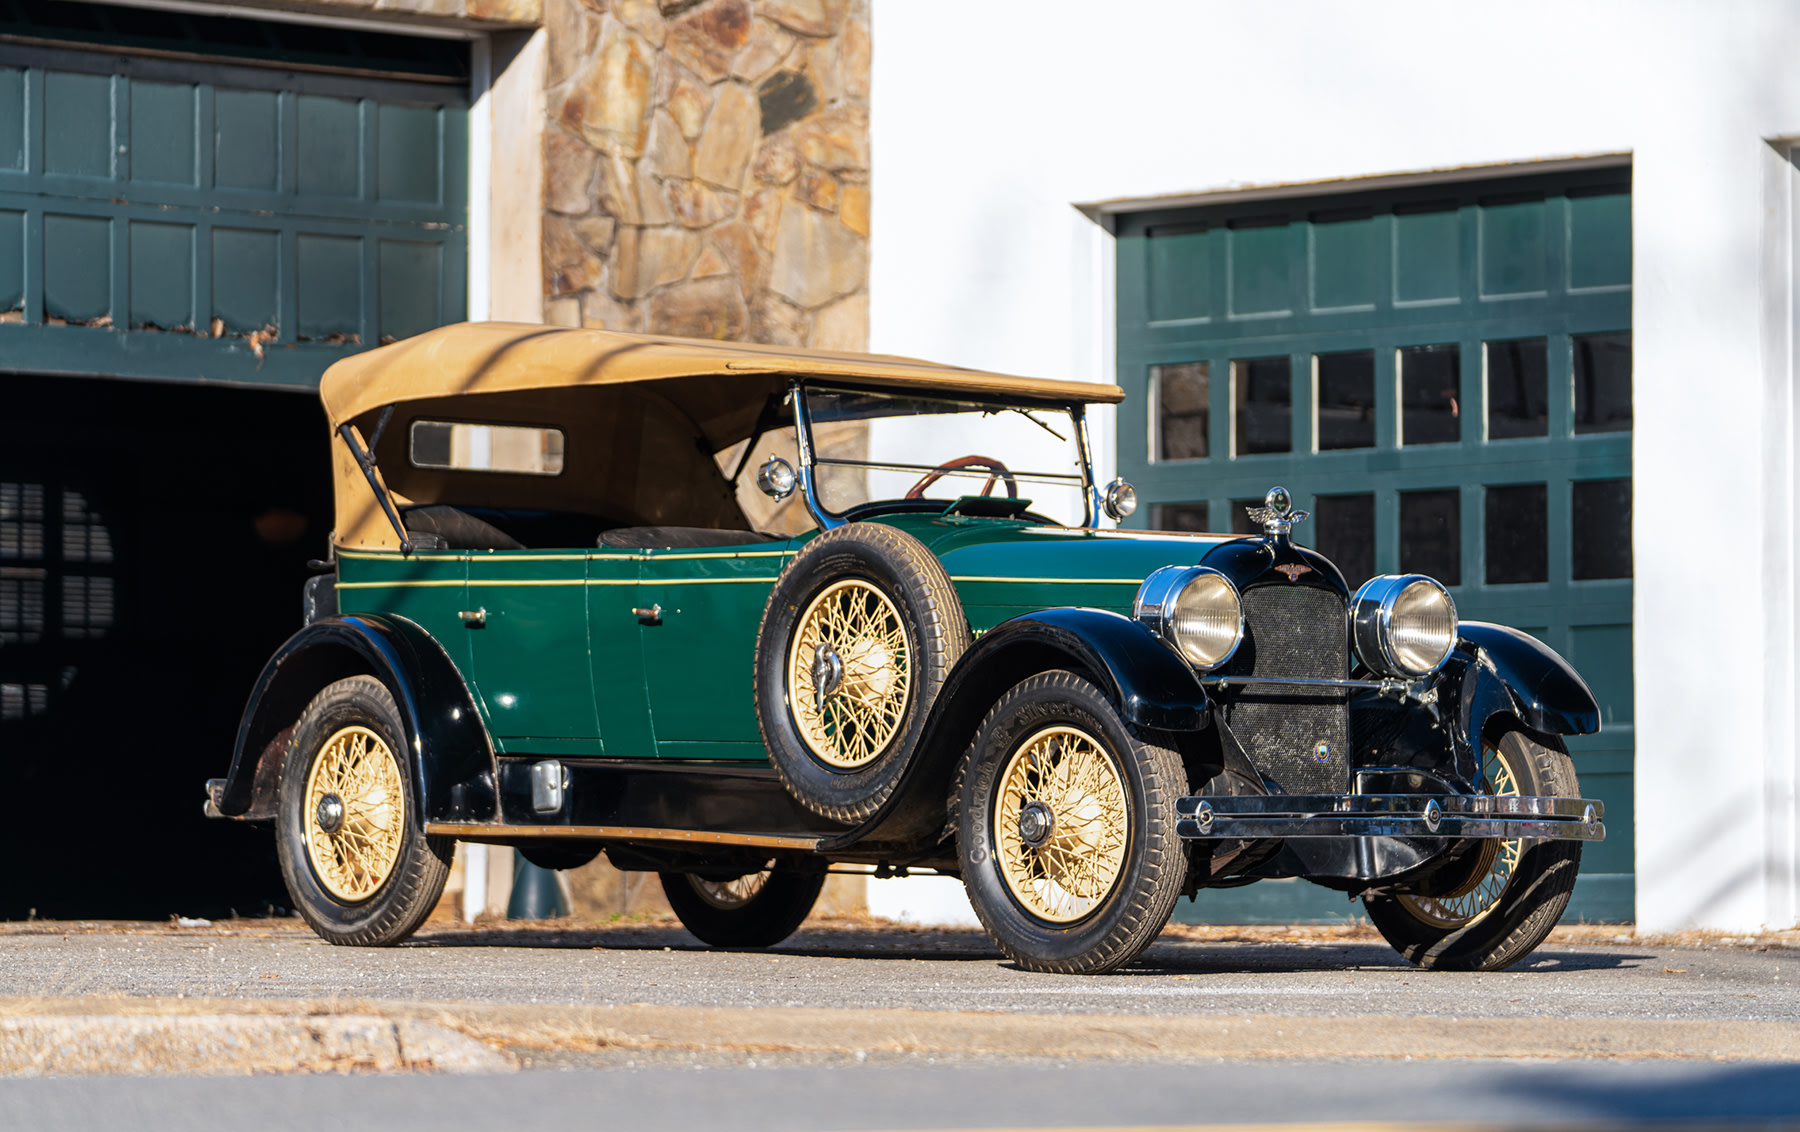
<point x="1195" y="610"/>
<point x="1404" y="624"/>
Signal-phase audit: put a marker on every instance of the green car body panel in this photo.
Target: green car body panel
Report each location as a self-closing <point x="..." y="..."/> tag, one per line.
<point x="636" y="654"/>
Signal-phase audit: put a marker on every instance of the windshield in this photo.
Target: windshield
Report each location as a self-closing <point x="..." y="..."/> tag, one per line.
<point x="877" y="447"/>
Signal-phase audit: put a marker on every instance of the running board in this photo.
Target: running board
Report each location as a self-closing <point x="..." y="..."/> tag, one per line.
<point x="490" y="831"/>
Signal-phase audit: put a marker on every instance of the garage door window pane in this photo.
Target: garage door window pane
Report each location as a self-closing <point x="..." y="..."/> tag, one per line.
<point x="1182" y="393"/>
<point x="1344" y="526"/>
<point x="1430" y="395"/>
<point x="1518" y="388"/>
<point x="1263" y="396"/>
<point x="1602" y="366"/>
<point x="1180" y="516"/>
<point x="1346" y="410"/>
<point x="1241" y="522"/>
<point x="1517" y="530"/>
<point x="1602" y="534"/>
<point x="1431" y="534"/>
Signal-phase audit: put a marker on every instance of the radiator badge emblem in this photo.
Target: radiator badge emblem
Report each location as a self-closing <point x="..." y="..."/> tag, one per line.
<point x="1322" y="752"/>
<point x="1277" y="514"/>
<point x="1293" y="570"/>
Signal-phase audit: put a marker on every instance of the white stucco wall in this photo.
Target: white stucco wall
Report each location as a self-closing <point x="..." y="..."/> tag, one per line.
<point x="991" y="119"/>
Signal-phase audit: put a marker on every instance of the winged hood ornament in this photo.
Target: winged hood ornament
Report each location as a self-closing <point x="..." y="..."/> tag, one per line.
<point x="1277" y="514"/>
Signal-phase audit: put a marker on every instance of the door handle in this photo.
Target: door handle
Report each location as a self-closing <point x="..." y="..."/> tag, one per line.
<point x="473" y="618"/>
<point x="653" y="614"/>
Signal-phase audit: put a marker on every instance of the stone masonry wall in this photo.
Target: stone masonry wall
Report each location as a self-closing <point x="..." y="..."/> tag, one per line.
<point x="707" y="168"/>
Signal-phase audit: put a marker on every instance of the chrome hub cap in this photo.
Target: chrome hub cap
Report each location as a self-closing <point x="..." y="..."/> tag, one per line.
<point x="1035" y="823"/>
<point x="330" y="814"/>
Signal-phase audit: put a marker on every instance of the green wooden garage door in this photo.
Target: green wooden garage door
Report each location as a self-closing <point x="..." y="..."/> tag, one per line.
<point x="220" y="221"/>
<point x="1443" y="376"/>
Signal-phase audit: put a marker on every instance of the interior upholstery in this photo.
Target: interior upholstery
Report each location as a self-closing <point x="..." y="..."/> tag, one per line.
<point x="682" y="538"/>
<point x="458" y="529"/>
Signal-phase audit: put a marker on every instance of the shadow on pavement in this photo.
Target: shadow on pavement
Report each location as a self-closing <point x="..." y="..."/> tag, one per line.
<point x="1735" y="1093"/>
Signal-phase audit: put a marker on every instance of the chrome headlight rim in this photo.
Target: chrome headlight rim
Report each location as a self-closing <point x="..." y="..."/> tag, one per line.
<point x="1154" y="607"/>
<point x="1372" y="623"/>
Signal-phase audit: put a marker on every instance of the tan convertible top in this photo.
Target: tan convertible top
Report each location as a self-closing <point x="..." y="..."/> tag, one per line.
<point x="642" y="416"/>
<point x="499" y="357"/>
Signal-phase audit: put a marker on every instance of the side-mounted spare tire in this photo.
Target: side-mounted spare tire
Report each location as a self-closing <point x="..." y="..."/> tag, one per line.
<point x="855" y="643"/>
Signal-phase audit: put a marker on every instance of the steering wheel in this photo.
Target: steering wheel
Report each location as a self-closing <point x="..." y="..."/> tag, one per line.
<point x="996" y="471"/>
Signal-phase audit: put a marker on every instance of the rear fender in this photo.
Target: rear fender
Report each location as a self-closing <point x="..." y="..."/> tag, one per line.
<point x="1152" y="688"/>
<point x="452" y="759"/>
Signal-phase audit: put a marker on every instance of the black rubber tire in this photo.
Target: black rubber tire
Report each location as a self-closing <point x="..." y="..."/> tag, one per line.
<point x="762" y="921"/>
<point x="1129" y="917"/>
<point x="1534" y="897"/>
<point x="558" y="857"/>
<point x="411" y="890"/>
<point x="908" y="575"/>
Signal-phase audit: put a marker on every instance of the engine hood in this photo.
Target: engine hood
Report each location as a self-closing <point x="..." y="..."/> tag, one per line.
<point x="1002" y="569"/>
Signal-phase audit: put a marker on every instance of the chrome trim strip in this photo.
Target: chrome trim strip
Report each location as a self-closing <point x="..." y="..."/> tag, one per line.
<point x="1450" y="804"/>
<point x="1372" y="825"/>
<point x="1451" y="816"/>
<point x="620" y="833"/>
<point x="1389" y="686"/>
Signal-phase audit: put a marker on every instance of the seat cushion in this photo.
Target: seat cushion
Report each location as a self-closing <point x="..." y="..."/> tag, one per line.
<point x="459" y="529"/>
<point x="672" y="538"/>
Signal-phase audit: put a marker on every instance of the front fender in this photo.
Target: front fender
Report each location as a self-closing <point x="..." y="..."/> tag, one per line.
<point x="1151" y="686"/>
<point x="1516" y="672"/>
<point x="452" y="759"/>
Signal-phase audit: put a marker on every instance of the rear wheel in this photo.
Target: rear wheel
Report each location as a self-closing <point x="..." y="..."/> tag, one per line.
<point x="1066" y="834"/>
<point x="757" y="909"/>
<point x="1516" y="891"/>
<point x="358" y="864"/>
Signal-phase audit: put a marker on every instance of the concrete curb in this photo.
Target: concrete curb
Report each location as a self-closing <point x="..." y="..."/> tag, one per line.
<point x="216" y="1044"/>
<point x="151" y="1035"/>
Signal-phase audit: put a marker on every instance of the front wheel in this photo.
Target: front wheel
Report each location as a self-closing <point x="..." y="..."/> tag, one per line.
<point x="1066" y="834"/>
<point x="1516" y="889"/>
<point x="357" y="861"/>
<point x="757" y="909"/>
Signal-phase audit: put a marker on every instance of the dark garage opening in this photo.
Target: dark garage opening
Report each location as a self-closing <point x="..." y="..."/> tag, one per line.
<point x="153" y="542"/>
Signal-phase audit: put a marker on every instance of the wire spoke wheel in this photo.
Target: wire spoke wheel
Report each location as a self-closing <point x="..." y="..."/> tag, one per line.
<point x="1472" y="900"/>
<point x="354" y="809"/>
<point x="1061" y="824"/>
<point x="733" y="894"/>
<point x="849" y="674"/>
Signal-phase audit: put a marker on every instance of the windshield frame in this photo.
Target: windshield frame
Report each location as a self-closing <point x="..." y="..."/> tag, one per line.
<point x="827" y="519"/>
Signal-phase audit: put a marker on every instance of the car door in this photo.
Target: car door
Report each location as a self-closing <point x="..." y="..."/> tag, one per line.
<point x="700" y="650"/>
<point x="616" y="662"/>
<point x="528" y="642"/>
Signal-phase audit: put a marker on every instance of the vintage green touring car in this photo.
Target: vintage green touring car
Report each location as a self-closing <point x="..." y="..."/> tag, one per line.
<point x="739" y="615"/>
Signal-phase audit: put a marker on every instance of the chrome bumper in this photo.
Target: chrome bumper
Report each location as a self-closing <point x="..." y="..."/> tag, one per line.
<point x="1226" y="817"/>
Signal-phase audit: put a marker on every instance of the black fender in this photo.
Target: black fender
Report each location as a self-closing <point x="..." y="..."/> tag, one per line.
<point x="1515" y="673"/>
<point x="1151" y="686"/>
<point x="452" y="758"/>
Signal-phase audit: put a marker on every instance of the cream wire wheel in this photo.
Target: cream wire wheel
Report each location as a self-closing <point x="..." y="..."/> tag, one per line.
<point x="354" y="808"/>
<point x="849" y="674"/>
<point x="1471" y="901"/>
<point x="729" y="895"/>
<point x="1061" y="824"/>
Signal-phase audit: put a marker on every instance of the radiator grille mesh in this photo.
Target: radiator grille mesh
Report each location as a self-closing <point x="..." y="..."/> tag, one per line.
<point x="1294" y="631"/>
